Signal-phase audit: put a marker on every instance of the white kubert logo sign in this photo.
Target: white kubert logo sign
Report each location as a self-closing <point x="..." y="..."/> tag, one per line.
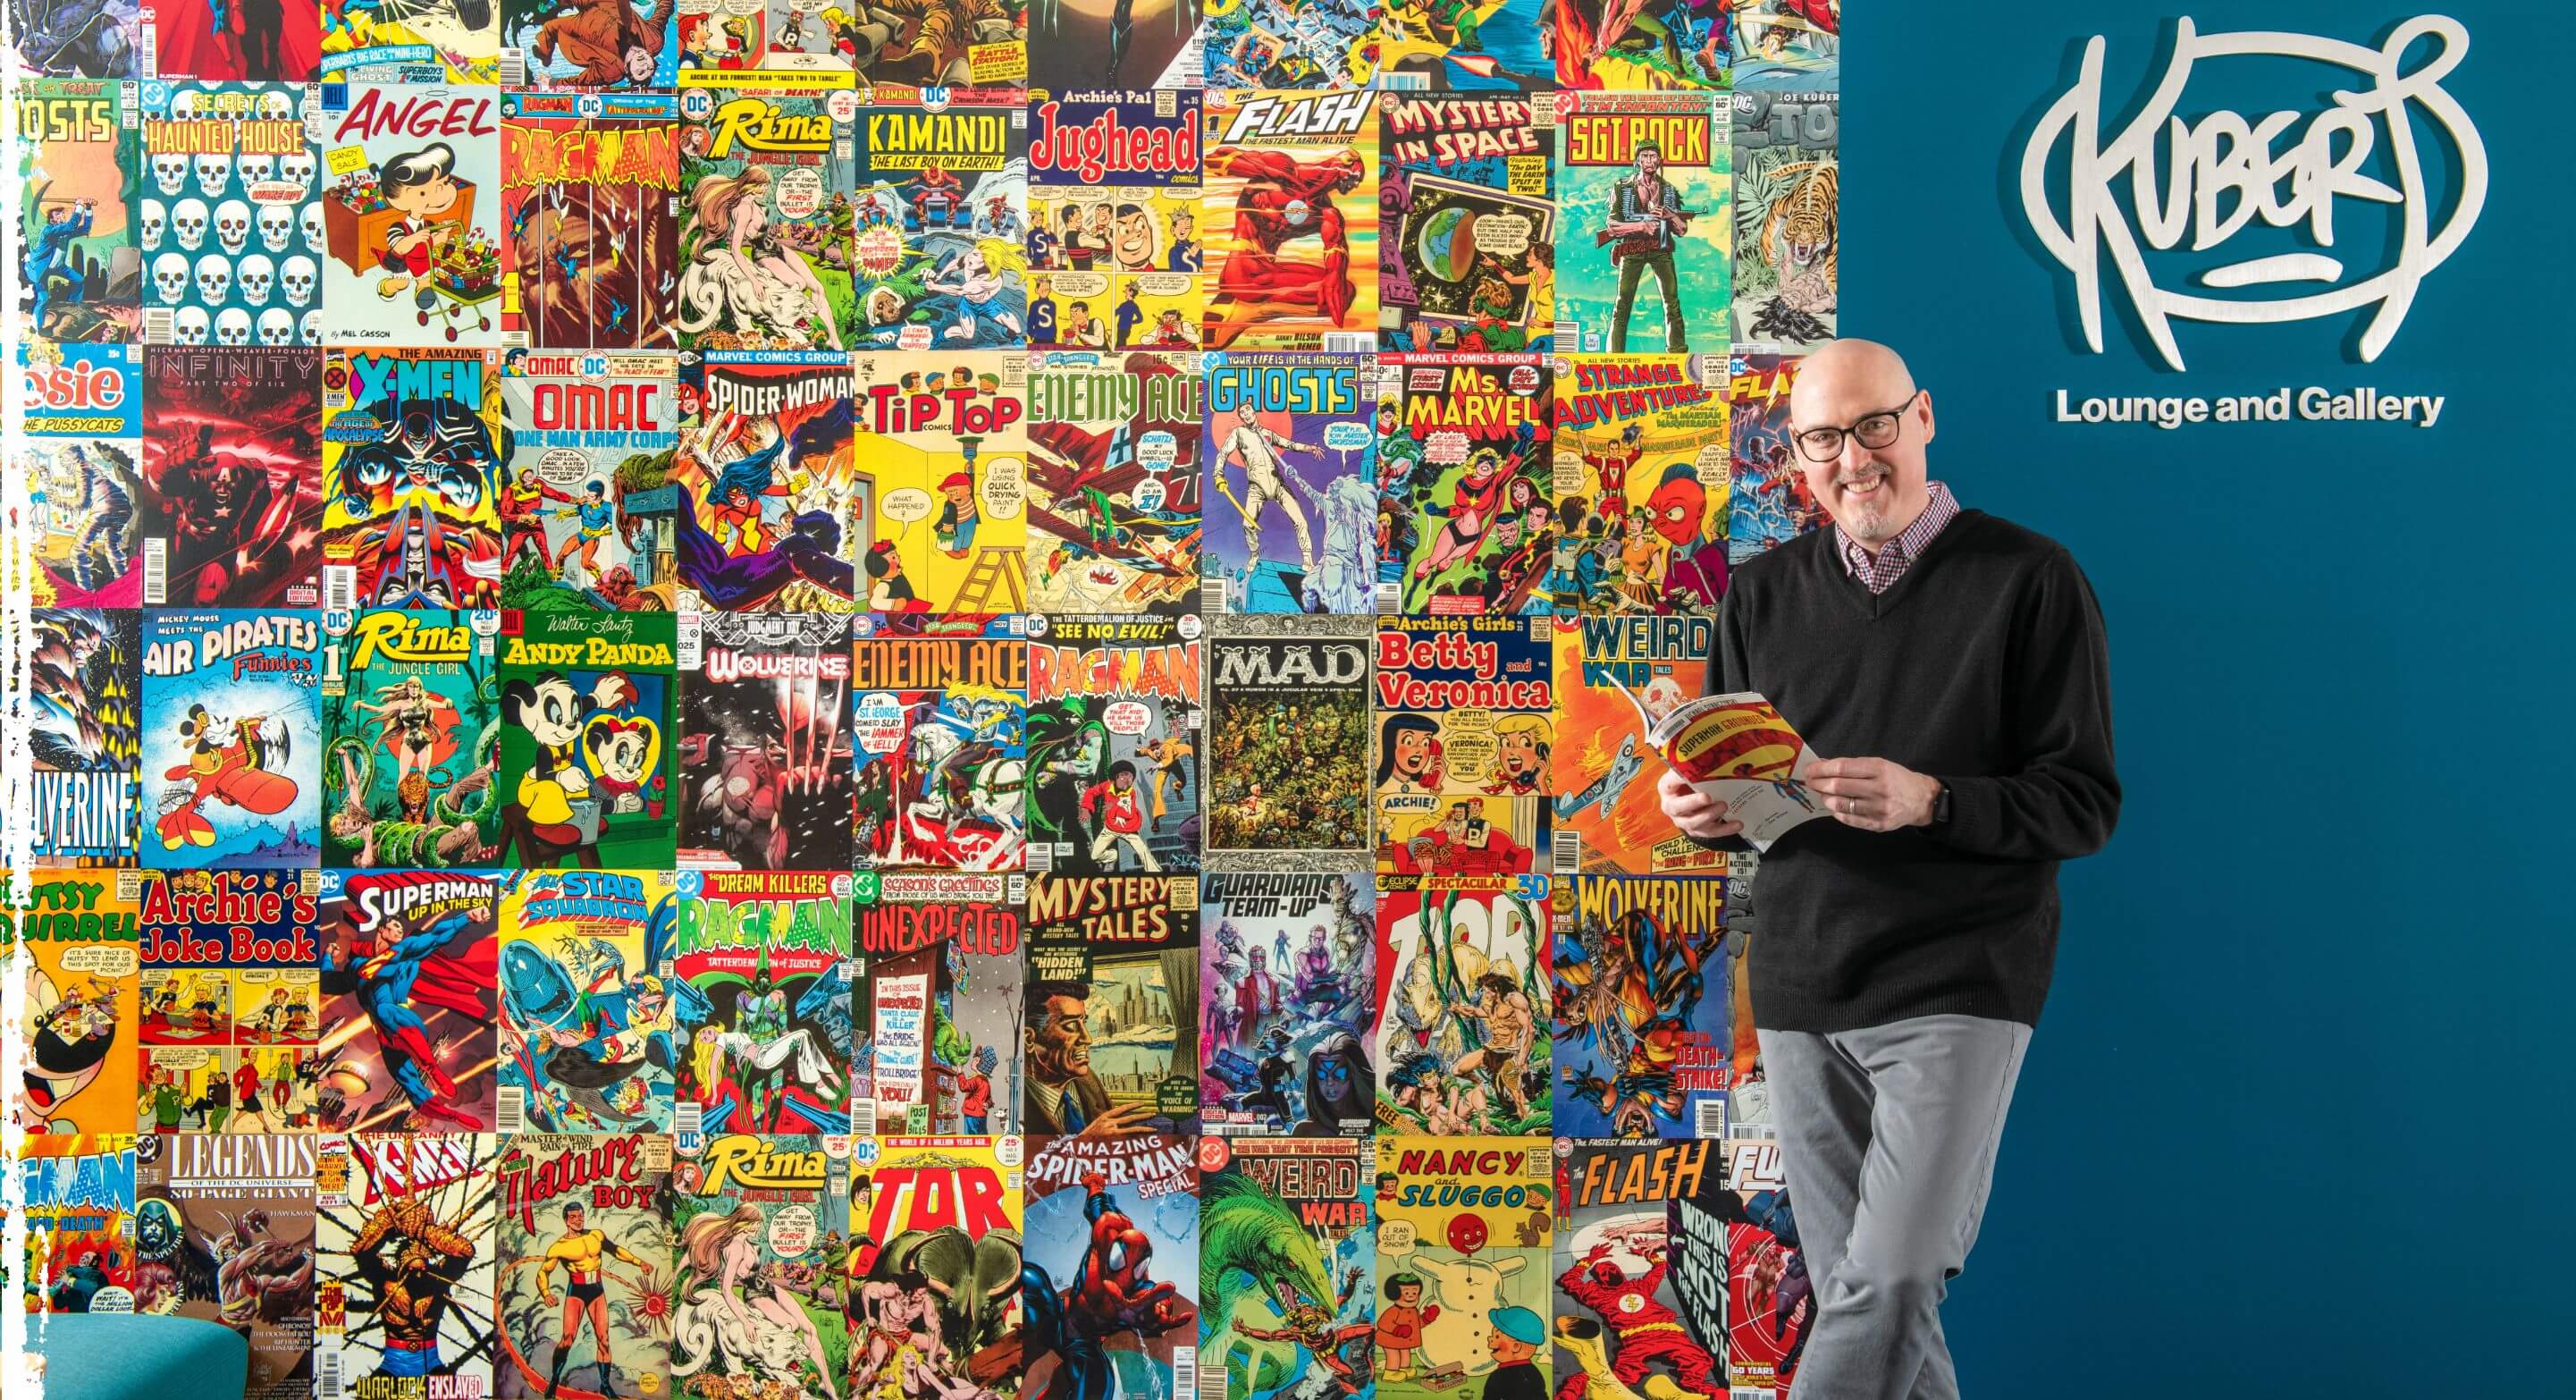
<point x="2205" y="181"/>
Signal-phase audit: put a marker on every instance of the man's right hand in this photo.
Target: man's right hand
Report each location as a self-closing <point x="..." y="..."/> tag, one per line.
<point x="1693" y="812"/>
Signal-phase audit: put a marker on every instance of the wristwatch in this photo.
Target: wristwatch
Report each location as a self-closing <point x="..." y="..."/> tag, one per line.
<point x="1941" y="807"/>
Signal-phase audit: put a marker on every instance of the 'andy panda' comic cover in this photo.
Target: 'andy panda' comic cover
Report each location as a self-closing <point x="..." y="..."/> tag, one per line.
<point x="758" y="972"/>
<point x="224" y="1232"/>
<point x="1616" y="676"/>
<point x="1768" y="500"/>
<point x="412" y="221"/>
<point x="1467" y="252"/>
<point x="586" y="1035"/>
<point x="1788" y="218"/>
<point x="1112" y="233"/>
<point x="232" y="478"/>
<point x="1290" y="205"/>
<point x="1631" y="1303"/>
<point x="79" y="1190"/>
<point x="1286" y="1000"/>
<point x="589" y="253"/>
<point x="231" y="996"/>
<point x="85" y="679"/>
<point x="83" y="454"/>
<point x="404" y="1232"/>
<point x="1645" y="221"/>
<point x="1113" y="1001"/>
<point x="765" y="259"/>
<point x="1287" y="735"/>
<point x="229" y="219"/>
<point x="1465" y="710"/>
<point x="1466" y="485"/>
<point x="82" y="275"/>
<point x="765" y="741"/>
<point x="939" y="748"/>
<point x="1113" y="482"/>
<point x="1125" y="1209"/>
<point x="1461" y="1041"/>
<point x="1287" y="1263"/>
<point x="1464" y="1224"/>
<point x="769" y="492"/>
<point x="939" y="1001"/>
<point x="759" y="1225"/>
<point x="410" y="970"/>
<point x="1113" y="737"/>
<point x="232" y="737"/>
<point x="80" y="930"/>
<point x="583" y="1266"/>
<point x="945" y="507"/>
<point x="587" y="708"/>
<point x="410" y="471"/>
<point x="925" y="1193"/>
<point x="1641" y="995"/>
<point x="411" y="717"/>
<point x="1302" y="533"/>
<point x="1641" y="485"/>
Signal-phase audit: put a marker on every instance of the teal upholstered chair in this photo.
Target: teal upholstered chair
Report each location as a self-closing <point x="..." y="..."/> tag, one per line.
<point x="113" y="1356"/>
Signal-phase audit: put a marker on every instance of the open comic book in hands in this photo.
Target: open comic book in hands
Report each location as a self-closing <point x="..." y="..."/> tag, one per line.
<point x="1737" y="750"/>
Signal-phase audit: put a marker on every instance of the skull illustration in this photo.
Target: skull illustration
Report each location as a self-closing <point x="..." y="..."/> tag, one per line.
<point x="214" y="278"/>
<point x="256" y="170"/>
<point x="183" y="105"/>
<point x="170" y="277"/>
<point x="296" y="168"/>
<point x="310" y="220"/>
<point x="156" y="222"/>
<point x="189" y="326"/>
<point x="188" y="220"/>
<point x="232" y="224"/>
<point x="296" y="276"/>
<point x="276" y="227"/>
<point x="213" y="173"/>
<point x="257" y="276"/>
<point x="276" y="106"/>
<point x="170" y="173"/>
<point x="276" y="327"/>
<point x="232" y="327"/>
<point x="309" y="330"/>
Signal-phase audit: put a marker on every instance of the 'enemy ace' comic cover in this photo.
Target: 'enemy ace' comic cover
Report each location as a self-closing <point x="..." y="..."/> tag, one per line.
<point x="939" y="752"/>
<point x="1113" y="482"/>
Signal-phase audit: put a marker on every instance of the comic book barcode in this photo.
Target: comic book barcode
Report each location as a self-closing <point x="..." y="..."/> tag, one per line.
<point x="514" y="68"/>
<point x="151" y="54"/>
<point x="1567" y="333"/>
<point x="1752" y="1392"/>
<point x="156" y="326"/>
<point x="863" y="1118"/>
<point x="1185" y="1370"/>
<point x="1212" y="596"/>
<point x="688" y="1118"/>
<point x="1041" y="857"/>
<point x="1350" y="342"/>
<point x="1390" y="597"/>
<point x="1212" y="1384"/>
<point x="1708" y="1118"/>
<point x="329" y="1381"/>
<point x="340" y="586"/>
<point x="1568" y="850"/>
<point x="156" y="570"/>
<point x="510" y="1109"/>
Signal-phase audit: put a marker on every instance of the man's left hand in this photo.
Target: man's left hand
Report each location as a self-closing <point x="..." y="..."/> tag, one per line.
<point x="1874" y="794"/>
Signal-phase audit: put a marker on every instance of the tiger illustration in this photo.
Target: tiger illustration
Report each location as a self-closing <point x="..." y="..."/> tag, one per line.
<point x="1802" y="229"/>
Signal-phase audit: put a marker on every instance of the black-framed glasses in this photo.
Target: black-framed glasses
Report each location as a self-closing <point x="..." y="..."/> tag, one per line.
<point x="1875" y="431"/>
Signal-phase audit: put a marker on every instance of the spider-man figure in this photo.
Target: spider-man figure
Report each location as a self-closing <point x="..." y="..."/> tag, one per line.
<point x="1114" y="1293"/>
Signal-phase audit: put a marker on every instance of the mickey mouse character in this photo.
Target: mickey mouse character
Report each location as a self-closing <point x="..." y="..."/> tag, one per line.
<point x="228" y="760"/>
<point x="554" y="714"/>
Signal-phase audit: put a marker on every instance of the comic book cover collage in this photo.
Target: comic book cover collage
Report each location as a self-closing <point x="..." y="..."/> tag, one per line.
<point x="902" y="699"/>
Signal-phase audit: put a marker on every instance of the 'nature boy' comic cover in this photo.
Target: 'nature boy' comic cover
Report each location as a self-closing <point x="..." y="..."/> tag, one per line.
<point x="583" y="1266"/>
<point x="411" y="715"/>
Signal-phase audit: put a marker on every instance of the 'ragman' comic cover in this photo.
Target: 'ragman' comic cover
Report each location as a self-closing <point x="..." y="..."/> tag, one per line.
<point x="589" y="256"/>
<point x="1113" y="738"/>
<point x="79" y="1190"/>
<point x="759" y="971"/>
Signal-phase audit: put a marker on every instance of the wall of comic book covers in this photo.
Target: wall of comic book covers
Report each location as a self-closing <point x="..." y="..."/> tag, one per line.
<point x="788" y="700"/>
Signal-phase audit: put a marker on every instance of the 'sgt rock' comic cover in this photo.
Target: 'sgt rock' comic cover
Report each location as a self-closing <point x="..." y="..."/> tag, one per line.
<point x="411" y="472"/>
<point x="583" y="1266"/>
<point x="79" y="1190"/>
<point x="1788" y="217"/>
<point x="941" y="1250"/>
<point x="81" y="278"/>
<point x="1747" y="1234"/>
<point x="262" y="42"/>
<point x="411" y="707"/>
<point x="411" y="41"/>
<point x="232" y="737"/>
<point x="1113" y="997"/>
<point x="945" y="510"/>
<point x="1288" y="1266"/>
<point x="224" y="1232"/>
<point x="604" y="46"/>
<point x="1641" y="485"/>
<point x="940" y="752"/>
<point x="941" y="204"/>
<point x="589" y="255"/>
<point x="1113" y="738"/>
<point x="765" y="259"/>
<point x="1462" y="1043"/>
<point x="85" y="682"/>
<point x="404" y="1231"/>
<point x="231" y="504"/>
<point x="769" y="491"/>
<point x="410" y="965"/>
<point x="1108" y="1279"/>
<point x="765" y="741"/>
<point x="412" y="221"/>
<point x="229" y="216"/>
<point x="586" y="729"/>
<point x="1768" y="500"/>
<point x="1465" y="710"/>
<point x="1630" y="1308"/>
<point x="759" y="973"/>
<point x="83" y="451"/>
<point x="1113" y="237"/>
<point x="1467" y="233"/>
<point x="1617" y="676"/>
<point x="1290" y="209"/>
<point x="587" y="1042"/>
<point x="1644" y="204"/>
<point x="1638" y="978"/>
<point x="1288" y="735"/>
<point x="1294" y="517"/>
<point x="585" y="500"/>
<point x="1463" y="1228"/>
<point x="230" y="1008"/>
<point x="761" y="1239"/>
<point x="1113" y="482"/>
<point x="80" y="930"/>
<point x="1287" y="993"/>
<point x="940" y="1005"/>
<point x="1464" y="482"/>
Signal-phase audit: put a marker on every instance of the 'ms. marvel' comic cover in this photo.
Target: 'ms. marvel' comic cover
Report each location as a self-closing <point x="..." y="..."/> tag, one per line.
<point x="1627" y="1307"/>
<point x="1463" y="1224"/>
<point x="588" y="250"/>
<point x="1640" y="485"/>
<point x="1113" y="482"/>
<point x="759" y="974"/>
<point x="232" y="737"/>
<point x="1291" y="211"/>
<point x="231" y="1002"/>
<point x="1114" y="728"/>
<point x="232" y="477"/>
<point x="587" y="708"/>
<point x="1287" y="1263"/>
<point x="583" y="1266"/>
<point x="1122" y="1209"/>
<point x="410" y="468"/>
<point x="765" y="751"/>
<point x="80" y="931"/>
<point x="412" y="221"/>
<point x="939" y="751"/>
<point x="1465" y="709"/>
<point x="1639" y="985"/>
<point x="586" y="1036"/>
<point x="224" y="1232"/>
<point x="404" y="1243"/>
<point x="1467" y="250"/>
<point x="409" y="965"/>
<point x="410" y="710"/>
<point x="1287" y="998"/>
<point x="1113" y="997"/>
<point x="1287" y="760"/>
<point x="85" y="672"/>
<point x="1466" y="486"/>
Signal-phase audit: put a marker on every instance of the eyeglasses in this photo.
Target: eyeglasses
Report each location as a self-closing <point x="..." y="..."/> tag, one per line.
<point x="1875" y="431"/>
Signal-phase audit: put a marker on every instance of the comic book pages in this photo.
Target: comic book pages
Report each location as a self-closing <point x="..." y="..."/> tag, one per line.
<point x="1464" y="1226"/>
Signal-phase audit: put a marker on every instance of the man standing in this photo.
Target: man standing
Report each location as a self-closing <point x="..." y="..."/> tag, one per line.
<point x="1647" y="217"/>
<point x="1906" y="946"/>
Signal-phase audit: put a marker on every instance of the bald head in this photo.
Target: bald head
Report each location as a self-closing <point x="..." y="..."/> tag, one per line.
<point x="1862" y="371"/>
<point x="1860" y="426"/>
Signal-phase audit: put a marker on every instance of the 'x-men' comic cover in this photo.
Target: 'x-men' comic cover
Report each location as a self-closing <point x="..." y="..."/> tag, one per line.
<point x="404" y="1226"/>
<point x="411" y="471"/>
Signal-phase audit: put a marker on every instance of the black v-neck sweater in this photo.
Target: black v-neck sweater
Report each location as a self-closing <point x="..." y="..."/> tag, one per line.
<point x="1983" y="666"/>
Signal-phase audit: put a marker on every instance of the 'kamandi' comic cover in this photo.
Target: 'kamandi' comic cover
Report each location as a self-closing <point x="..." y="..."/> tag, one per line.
<point x="941" y="204"/>
<point x="1464" y="1227"/>
<point x="1288" y="1265"/>
<point x="232" y="737"/>
<point x="81" y="932"/>
<point x="1462" y="1008"/>
<point x="404" y="1259"/>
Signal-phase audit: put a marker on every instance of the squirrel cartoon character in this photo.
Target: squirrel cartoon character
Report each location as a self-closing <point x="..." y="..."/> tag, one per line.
<point x="555" y="715"/>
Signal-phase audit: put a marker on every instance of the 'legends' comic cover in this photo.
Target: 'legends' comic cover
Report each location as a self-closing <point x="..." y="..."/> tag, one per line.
<point x="759" y="972"/>
<point x="941" y="1209"/>
<point x="584" y="1266"/>
<point x="83" y="430"/>
<point x="82" y="276"/>
<point x="939" y="751"/>
<point x="410" y="966"/>
<point x="586" y="503"/>
<point x="1287" y="761"/>
<point x="1616" y="676"/>
<point x="1788" y="217"/>
<point x="761" y="1240"/>
<point x="1630" y="1307"/>
<point x="1464" y="1227"/>
<point x="1467" y="237"/>
<point x="1768" y="500"/>
<point x="412" y="215"/>
<point x="77" y="1030"/>
<point x="586" y="1035"/>
<point x="1639" y="984"/>
<point x="232" y="477"/>
<point x="84" y="682"/>
<point x="410" y="474"/>
<point x="1123" y="1211"/>
<point x="79" y="1189"/>
<point x="1113" y="995"/>
<point x="770" y="493"/>
<point x="1463" y="481"/>
<point x="231" y="1002"/>
<point x="1288" y="1265"/>
<point x="410" y="711"/>
<point x="404" y="1256"/>
<point x="1462" y="1008"/>
<point x="1288" y="998"/>
<point x="1644" y="194"/>
<point x="1113" y="482"/>
<point x="231" y="227"/>
<point x="1303" y="532"/>
<point x="1466" y="717"/>
<point x="1290" y="206"/>
<point x="224" y="1232"/>
<point x="946" y="509"/>
<point x="1641" y="485"/>
<point x="587" y="708"/>
<point x="232" y="737"/>
<point x="765" y="741"/>
<point x="411" y="41"/>
<point x="765" y="261"/>
<point x="941" y="203"/>
<point x="1113" y="216"/>
<point x="590" y="254"/>
<point x="1114" y="731"/>
<point x="939" y="1001"/>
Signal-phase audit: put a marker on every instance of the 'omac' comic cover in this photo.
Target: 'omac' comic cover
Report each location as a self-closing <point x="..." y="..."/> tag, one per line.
<point x="584" y="498"/>
<point x="1288" y="1292"/>
<point x="1463" y="1228"/>
<point x="404" y="1227"/>
<point x="1462" y="1009"/>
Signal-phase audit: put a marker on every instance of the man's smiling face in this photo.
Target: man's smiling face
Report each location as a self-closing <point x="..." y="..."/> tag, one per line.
<point x="1873" y="493"/>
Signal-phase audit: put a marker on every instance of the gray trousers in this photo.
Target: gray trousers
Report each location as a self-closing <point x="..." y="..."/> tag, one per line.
<point x="1888" y="1139"/>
